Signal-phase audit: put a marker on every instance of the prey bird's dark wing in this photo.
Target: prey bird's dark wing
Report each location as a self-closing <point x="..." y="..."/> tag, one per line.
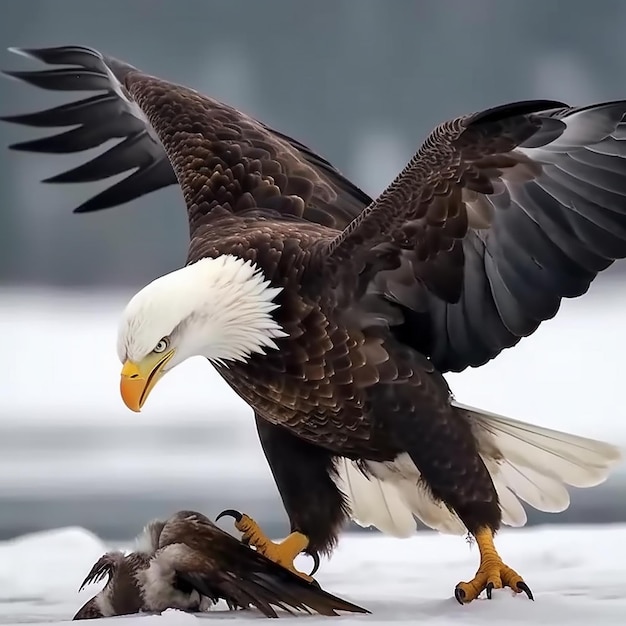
<point x="171" y="134"/>
<point x="499" y="216"/>
<point x="104" y="566"/>
<point x="218" y="565"/>
<point x="121" y="594"/>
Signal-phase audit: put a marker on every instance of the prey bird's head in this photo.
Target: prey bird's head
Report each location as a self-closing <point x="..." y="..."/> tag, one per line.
<point x="219" y="308"/>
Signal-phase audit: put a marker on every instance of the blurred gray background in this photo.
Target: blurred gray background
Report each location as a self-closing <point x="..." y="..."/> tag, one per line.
<point x="361" y="82"/>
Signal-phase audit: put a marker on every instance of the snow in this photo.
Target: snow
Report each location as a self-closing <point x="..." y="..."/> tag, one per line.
<point x="576" y="573"/>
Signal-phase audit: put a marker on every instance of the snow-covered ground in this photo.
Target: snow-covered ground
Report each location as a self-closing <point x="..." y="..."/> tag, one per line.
<point x="577" y="575"/>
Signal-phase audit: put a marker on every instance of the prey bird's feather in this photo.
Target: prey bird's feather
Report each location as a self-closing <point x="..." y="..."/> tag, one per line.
<point x="188" y="563"/>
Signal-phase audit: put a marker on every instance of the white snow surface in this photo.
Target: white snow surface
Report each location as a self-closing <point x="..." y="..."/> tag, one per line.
<point x="577" y="574"/>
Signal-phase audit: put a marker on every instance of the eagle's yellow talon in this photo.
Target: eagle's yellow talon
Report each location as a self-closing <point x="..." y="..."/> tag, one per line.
<point x="492" y="573"/>
<point x="282" y="553"/>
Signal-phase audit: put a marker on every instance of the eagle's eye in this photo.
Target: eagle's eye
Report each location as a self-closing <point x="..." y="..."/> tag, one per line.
<point x="162" y="345"/>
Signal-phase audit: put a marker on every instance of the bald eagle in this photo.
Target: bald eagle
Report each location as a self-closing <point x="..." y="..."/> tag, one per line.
<point x="186" y="562"/>
<point x="335" y="316"/>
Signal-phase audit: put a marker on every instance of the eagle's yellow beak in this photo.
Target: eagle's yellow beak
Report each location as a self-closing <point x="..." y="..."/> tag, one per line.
<point x="138" y="379"/>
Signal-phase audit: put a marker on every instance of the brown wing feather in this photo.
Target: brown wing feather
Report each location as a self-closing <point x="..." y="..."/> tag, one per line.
<point x="219" y="156"/>
<point x="423" y="208"/>
<point x="89" y="610"/>
<point x="104" y="566"/>
<point x="499" y="216"/>
<point x="485" y="248"/>
<point x="218" y="565"/>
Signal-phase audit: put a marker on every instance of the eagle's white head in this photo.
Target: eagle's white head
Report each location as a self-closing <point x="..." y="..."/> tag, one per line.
<point x="219" y="308"/>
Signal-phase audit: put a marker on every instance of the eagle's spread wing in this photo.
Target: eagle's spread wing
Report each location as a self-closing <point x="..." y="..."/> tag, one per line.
<point x="498" y="216"/>
<point x="170" y="134"/>
<point x="493" y="254"/>
<point x="219" y="566"/>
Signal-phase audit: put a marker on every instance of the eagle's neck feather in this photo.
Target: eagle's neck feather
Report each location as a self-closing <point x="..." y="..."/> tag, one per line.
<point x="219" y="308"/>
<point x="235" y="321"/>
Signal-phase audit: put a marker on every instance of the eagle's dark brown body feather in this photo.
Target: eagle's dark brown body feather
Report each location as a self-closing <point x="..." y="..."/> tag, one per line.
<point x="468" y="250"/>
<point x="340" y="383"/>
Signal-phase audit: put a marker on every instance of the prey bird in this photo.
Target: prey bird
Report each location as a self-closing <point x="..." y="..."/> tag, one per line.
<point x="335" y="315"/>
<point x="188" y="563"/>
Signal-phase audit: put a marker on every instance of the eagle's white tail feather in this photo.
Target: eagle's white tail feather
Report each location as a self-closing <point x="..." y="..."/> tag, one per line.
<point x="526" y="462"/>
<point x="431" y="512"/>
<point x="513" y="513"/>
<point x="391" y="496"/>
<point x="374" y="502"/>
<point x="542" y="491"/>
<point x="569" y="459"/>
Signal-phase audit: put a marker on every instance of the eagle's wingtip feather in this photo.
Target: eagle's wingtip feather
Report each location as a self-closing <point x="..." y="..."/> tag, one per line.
<point x="17" y="50"/>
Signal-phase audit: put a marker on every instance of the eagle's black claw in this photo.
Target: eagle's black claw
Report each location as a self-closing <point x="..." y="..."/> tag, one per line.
<point x="459" y="594"/>
<point x="315" y="583"/>
<point x="522" y="586"/>
<point x="316" y="563"/>
<point x="489" y="589"/>
<point x="231" y="513"/>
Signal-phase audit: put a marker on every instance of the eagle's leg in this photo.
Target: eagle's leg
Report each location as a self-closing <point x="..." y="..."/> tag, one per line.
<point x="492" y="573"/>
<point x="283" y="553"/>
<point x="315" y="505"/>
<point x="447" y="454"/>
